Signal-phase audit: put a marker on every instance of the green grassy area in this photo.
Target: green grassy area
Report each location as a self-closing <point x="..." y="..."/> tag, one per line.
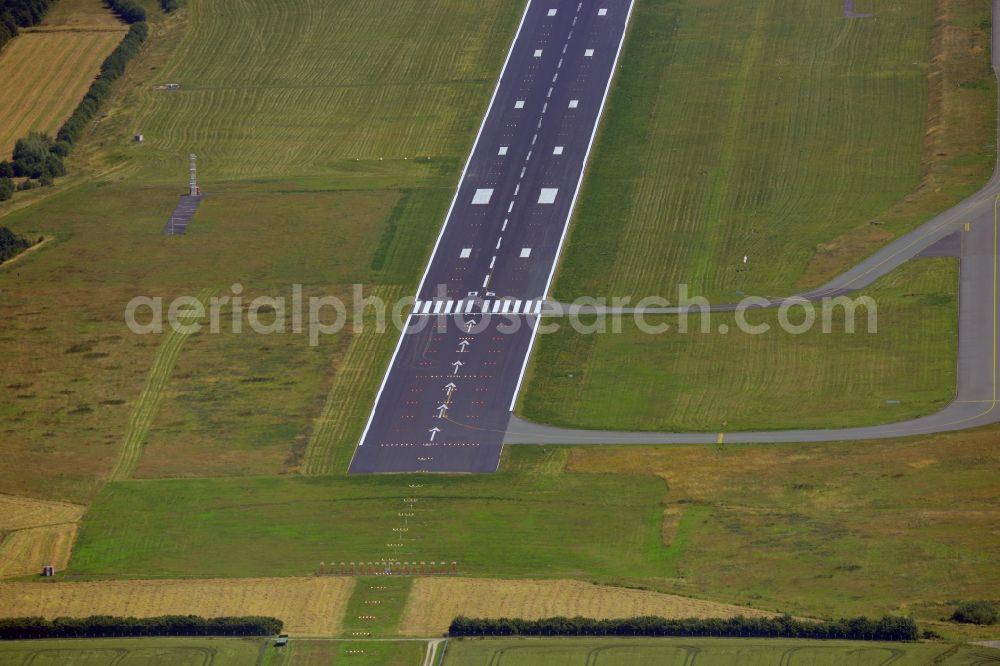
<point x="376" y="606"/>
<point x="770" y="130"/>
<point x="738" y="381"/>
<point x="832" y="529"/>
<point x="132" y="652"/>
<point x="329" y="140"/>
<point x="702" y="652"/>
<point x="307" y="652"/>
<point x="513" y="524"/>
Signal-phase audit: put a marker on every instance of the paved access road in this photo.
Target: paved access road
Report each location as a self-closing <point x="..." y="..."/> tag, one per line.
<point x="976" y="401"/>
<point x="445" y="402"/>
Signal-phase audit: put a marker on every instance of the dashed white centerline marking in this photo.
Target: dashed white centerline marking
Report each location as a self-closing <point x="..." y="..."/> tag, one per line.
<point x="555" y="77"/>
<point x="560" y="63"/>
<point x="550" y="93"/>
<point x="493" y="261"/>
<point x="545" y="107"/>
<point x="534" y="139"/>
<point x="523" y="169"/>
<point x="510" y="207"/>
<point x="499" y="240"/>
<point x="504" y="227"/>
<point x="517" y="188"/>
<point x="528" y="156"/>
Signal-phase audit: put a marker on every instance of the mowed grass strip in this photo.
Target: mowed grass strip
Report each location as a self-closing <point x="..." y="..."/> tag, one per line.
<point x="311" y="606"/>
<point x="435" y="602"/>
<point x="44" y="75"/>
<point x="271" y="90"/>
<point x="700" y="652"/>
<point x="748" y="129"/>
<point x="715" y="381"/>
<point x="513" y="525"/>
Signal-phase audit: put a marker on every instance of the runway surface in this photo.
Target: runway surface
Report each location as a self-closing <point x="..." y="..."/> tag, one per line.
<point x="975" y="222"/>
<point x="445" y="401"/>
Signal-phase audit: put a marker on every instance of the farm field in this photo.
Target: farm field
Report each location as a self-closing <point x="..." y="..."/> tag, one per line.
<point x="718" y="382"/>
<point x="46" y="70"/>
<point x="307" y="606"/>
<point x="132" y="652"/>
<point x="700" y="652"/>
<point x="824" y="142"/>
<point x="514" y="524"/>
<point x="435" y="602"/>
<point x="347" y="201"/>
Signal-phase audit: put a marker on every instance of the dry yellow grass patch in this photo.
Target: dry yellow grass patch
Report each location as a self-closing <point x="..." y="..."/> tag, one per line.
<point x="434" y="602"/>
<point x="44" y="75"/>
<point x="34" y="533"/>
<point x="79" y="15"/>
<point x="27" y="551"/>
<point x="311" y="606"/>
<point x="17" y="513"/>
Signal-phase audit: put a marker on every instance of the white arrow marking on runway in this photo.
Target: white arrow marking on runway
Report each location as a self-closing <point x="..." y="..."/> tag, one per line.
<point x="463" y="344"/>
<point x="450" y="388"/>
<point x="457" y="365"/>
<point x="441" y="411"/>
<point x="433" y="431"/>
<point x="468" y="326"/>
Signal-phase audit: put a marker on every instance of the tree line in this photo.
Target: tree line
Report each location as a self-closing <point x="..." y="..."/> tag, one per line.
<point x="97" y="626"/>
<point x="129" y="11"/>
<point x="16" y="14"/>
<point x="39" y="158"/>
<point x="888" y="628"/>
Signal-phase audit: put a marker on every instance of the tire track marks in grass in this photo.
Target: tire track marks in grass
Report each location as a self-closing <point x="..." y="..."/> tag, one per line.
<point x="149" y="400"/>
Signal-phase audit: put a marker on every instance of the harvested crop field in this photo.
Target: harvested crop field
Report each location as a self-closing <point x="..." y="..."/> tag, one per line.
<point x="17" y="513"/>
<point x="434" y="602"/>
<point x="27" y="551"/>
<point x="44" y="75"/>
<point x="306" y="605"/>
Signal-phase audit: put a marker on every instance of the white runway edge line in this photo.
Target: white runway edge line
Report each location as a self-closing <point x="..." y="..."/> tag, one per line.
<point x="437" y="243"/>
<point x="576" y="192"/>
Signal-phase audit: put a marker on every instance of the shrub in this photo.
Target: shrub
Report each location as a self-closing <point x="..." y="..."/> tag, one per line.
<point x="11" y="244"/>
<point x="975" y="612"/>
<point x="169" y="5"/>
<point x="6" y="188"/>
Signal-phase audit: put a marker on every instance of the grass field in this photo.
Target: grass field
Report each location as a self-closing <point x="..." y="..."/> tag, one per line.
<point x="355" y="653"/>
<point x="290" y="132"/>
<point x="376" y="606"/>
<point x="736" y="381"/>
<point x="34" y="533"/>
<point x="777" y="130"/>
<point x="830" y="529"/>
<point x="435" y="602"/>
<point x="702" y="652"/>
<point x="514" y="524"/>
<point x="45" y="72"/>
<point x="132" y="652"/>
<point x="307" y="606"/>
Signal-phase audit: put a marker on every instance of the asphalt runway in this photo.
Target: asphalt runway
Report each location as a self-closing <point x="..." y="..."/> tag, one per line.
<point x="446" y="399"/>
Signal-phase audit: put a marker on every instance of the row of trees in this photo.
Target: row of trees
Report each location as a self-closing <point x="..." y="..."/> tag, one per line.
<point x="888" y="628"/>
<point x="129" y="11"/>
<point x="164" y="625"/>
<point x="16" y="14"/>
